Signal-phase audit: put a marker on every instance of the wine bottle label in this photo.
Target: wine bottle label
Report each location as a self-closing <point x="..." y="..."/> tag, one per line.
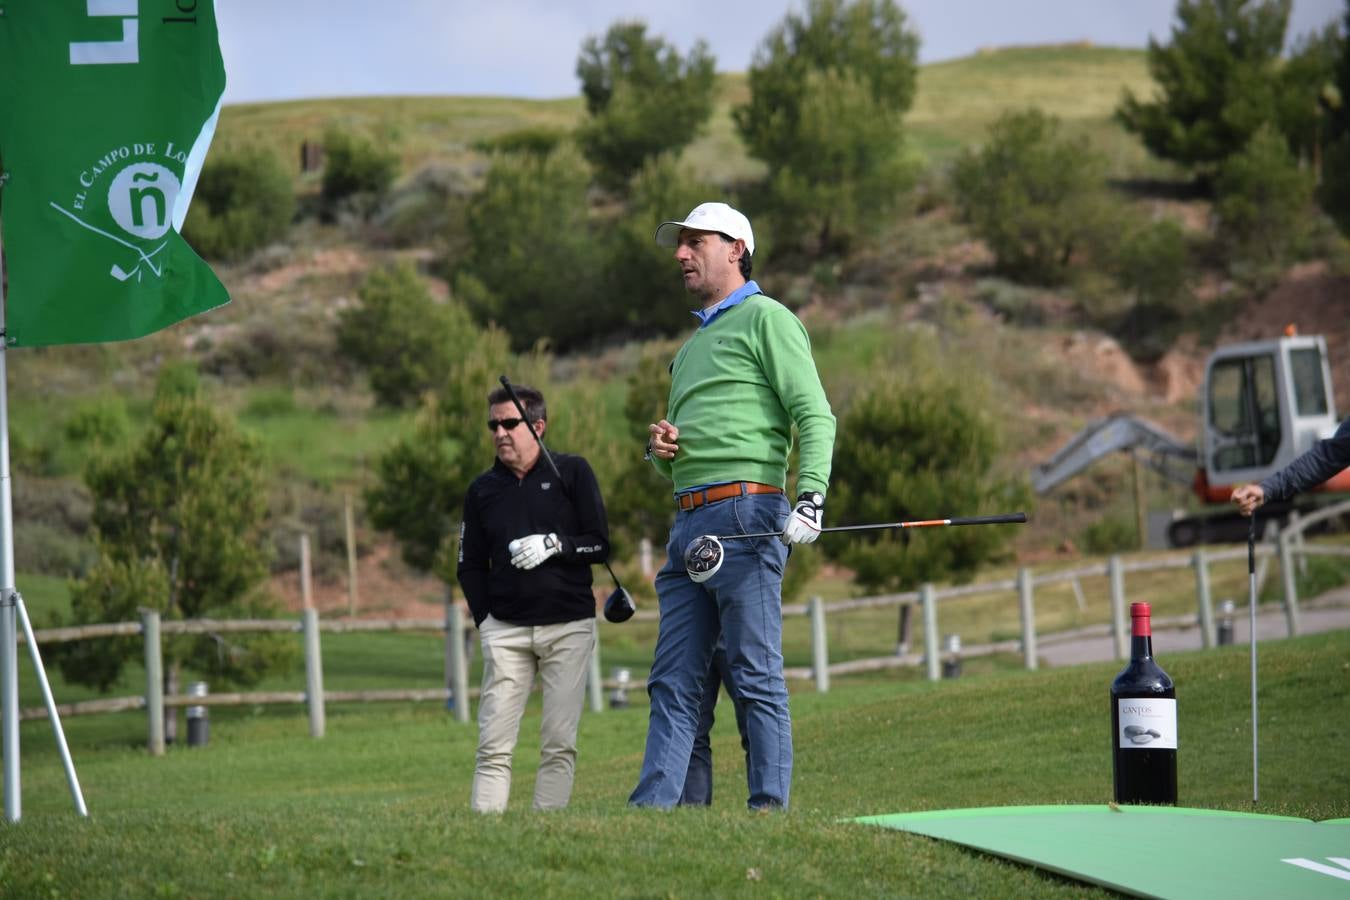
<point x="1147" y="723"/>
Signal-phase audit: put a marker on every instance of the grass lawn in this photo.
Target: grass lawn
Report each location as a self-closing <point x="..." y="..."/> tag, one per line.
<point x="378" y="806"/>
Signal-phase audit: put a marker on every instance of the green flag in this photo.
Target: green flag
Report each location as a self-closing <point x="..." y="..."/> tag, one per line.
<point x="106" y="110"/>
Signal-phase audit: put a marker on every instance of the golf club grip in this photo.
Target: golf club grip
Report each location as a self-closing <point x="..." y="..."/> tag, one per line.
<point x="1251" y="544"/>
<point x="520" y="408"/>
<point x="1017" y="518"/>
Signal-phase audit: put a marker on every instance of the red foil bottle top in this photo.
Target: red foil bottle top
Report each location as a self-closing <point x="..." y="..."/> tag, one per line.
<point x="1139" y="620"/>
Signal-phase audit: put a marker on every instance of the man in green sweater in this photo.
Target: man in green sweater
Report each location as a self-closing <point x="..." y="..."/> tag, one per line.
<point x="738" y="386"/>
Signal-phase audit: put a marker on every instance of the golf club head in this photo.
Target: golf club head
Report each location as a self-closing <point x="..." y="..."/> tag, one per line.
<point x="702" y="558"/>
<point x="619" y="606"/>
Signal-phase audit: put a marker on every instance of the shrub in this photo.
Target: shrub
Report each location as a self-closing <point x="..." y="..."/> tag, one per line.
<point x="1334" y="194"/>
<point x="828" y="91"/>
<point x="1217" y="81"/>
<point x="643" y="294"/>
<point x="920" y="448"/>
<point x="406" y="340"/>
<point x="1036" y="198"/>
<point x="642" y="97"/>
<point x="244" y="200"/>
<point x="1152" y="264"/>
<point x="356" y="173"/>
<point x="1263" y="203"/>
<point x="532" y="262"/>
<point x="1111" y="534"/>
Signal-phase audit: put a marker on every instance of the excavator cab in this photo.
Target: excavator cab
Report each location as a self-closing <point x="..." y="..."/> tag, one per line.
<point x="1265" y="403"/>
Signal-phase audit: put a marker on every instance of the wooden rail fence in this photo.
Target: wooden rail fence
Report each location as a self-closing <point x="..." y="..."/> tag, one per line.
<point x="1288" y="548"/>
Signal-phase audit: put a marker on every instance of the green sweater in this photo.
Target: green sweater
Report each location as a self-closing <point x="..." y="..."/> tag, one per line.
<point x="737" y="387"/>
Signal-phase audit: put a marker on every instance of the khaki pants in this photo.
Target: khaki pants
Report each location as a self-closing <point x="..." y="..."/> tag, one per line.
<point x="512" y="655"/>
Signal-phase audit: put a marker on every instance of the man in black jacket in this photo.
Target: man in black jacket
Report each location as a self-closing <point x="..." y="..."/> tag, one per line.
<point x="525" y="553"/>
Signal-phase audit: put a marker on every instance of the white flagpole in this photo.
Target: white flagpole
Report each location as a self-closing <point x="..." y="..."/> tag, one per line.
<point x="12" y="612"/>
<point x="9" y="640"/>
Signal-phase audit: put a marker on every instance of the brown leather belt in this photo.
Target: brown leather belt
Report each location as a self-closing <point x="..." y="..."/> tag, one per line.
<point x="694" y="499"/>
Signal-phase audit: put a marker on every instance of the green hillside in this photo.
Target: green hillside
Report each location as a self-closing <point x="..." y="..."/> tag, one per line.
<point x="956" y="100"/>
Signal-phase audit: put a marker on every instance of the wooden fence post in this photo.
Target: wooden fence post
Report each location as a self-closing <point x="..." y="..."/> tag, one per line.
<point x="1025" y="594"/>
<point x="1203" y="598"/>
<point x="1290" y="579"/>
<point x="456" y="661"/>
<point x="932" y="653"/>
<point x="901" y="630"/>
<point x="313" y="673"/>
<point x="154" y="680"/>
<point x="1117" y="578"/>
<point x="350" y="527"/>
<point x="820" y="654"/>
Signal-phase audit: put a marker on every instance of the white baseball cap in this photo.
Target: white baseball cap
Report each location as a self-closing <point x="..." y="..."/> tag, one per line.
<point x="709" y="217"/>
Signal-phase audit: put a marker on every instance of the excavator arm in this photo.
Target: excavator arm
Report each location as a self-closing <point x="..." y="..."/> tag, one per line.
<point x="1155" y="447"/>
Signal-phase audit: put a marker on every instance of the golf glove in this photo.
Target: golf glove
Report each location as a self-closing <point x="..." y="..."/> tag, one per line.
<point x="803" y="523"/>
<point x="531" y="550"/>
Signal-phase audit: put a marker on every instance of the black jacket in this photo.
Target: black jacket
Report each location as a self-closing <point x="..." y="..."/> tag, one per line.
<point x="499" y="508"/>
<point x="1323" y="460"/>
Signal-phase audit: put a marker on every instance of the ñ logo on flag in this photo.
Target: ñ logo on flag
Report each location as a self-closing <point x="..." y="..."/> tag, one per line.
<point x="140" y="202"/>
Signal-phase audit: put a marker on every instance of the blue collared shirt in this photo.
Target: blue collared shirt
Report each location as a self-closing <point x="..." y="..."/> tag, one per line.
<point x="706" y="316"/>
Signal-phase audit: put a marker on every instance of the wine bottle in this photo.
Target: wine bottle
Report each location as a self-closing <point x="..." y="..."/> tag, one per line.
<point x="1143" y="722"/>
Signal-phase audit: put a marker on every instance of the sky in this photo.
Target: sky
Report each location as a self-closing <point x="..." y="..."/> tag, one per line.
<point x="291" y="49"/>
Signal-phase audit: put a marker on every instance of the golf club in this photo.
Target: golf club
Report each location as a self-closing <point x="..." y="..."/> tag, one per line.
<point x="703" y="557"/>
<point x="619" y="605"/>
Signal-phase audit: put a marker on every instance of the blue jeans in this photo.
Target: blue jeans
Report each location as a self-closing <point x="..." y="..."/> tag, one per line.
<point x="698" y="782"/>
<point x="743" y="603"/>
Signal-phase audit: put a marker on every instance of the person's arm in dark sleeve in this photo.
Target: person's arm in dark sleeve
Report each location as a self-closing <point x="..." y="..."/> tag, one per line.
<point x="1323" y="460"/>
<point x="590" y="543"/>
<point x="474" y="561"/>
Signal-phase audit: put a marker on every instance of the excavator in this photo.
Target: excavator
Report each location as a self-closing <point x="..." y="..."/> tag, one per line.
<point x="1263" y="404"/>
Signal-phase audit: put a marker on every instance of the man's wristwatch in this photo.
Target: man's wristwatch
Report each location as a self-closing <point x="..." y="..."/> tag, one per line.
<point x="815" y="498"/>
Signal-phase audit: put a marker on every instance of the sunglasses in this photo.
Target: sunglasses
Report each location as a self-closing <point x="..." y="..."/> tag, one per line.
<point x="508" y="424"/>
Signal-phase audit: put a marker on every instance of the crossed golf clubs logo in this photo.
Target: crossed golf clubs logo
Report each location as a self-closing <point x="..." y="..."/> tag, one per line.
<point x="140" y="199"/>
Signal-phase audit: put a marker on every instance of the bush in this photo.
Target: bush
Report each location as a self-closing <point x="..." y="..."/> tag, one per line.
<point x="643" y="295"/>
<point x="1217" y="81"/>
<point x="532" y="141"/>
<point x="1334" y="195"/>
<point x="533" y="262"/>
<point x="643" y="98"/>
<point x="244" y="200"/>
<point x="1264" y="203"/>
<point x="828" y="92"/>
<point x="1111" y="534"/>
<point x="43" y="550"/>
<point x="424" y="207"/>
<point x="922" y="448"/>
<point x="1152" y="264"/>
<point x="1035" y="198"/>
<point x="356" y="173"/>
<point x="406" y="340"/>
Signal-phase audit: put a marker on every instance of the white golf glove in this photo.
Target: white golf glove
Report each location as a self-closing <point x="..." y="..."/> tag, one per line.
<point x="803" y="523"/>
<point x="531" y="550"/>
